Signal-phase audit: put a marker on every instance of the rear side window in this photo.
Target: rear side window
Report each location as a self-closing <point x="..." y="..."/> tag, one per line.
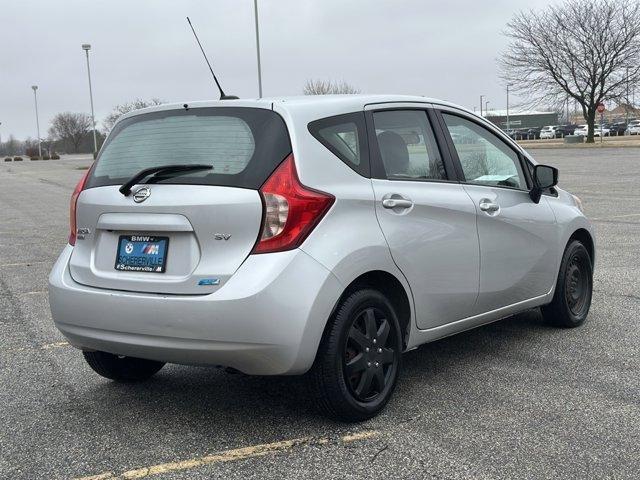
<point x="243" y="145"/>
<point x="345" y="136"/>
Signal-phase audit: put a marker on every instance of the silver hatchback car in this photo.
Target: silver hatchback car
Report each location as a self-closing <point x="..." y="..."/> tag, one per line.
<point x="316" y="235"/>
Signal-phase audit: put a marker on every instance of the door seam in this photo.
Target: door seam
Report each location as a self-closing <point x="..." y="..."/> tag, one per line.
<point x="475" y="207"/>
<point x="375" y="210"/>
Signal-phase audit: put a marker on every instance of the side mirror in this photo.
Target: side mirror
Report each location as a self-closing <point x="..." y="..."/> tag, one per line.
<point x="544" y="177"/>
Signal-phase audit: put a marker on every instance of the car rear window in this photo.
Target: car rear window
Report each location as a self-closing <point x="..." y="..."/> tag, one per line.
<point x="243" y="145"/>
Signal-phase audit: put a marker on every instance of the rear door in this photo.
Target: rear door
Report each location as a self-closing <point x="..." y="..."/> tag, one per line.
<point x="517" y="236"/>
<point x="426" y="216"/>
<point x="186" y="233"/>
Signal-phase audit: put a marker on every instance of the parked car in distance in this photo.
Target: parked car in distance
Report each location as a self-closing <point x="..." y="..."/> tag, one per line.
<point x="564" y="130"/>
<point x="548" y="132"/>
<point x="581" y="130"/>
<point x="534" y="133"/>
<point x="584" y="129"/>
<point x="222" y="233"/>
<point x="521" y="134"/>
<point x="617" y="129"/>
<point x="529" y="133"/>
<point x="601" y="130"/>
<point x="633" y="128"/>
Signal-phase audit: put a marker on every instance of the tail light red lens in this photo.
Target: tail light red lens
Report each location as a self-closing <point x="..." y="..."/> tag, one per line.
<point x="72" y="208"/>
<point x="291" y="210"/>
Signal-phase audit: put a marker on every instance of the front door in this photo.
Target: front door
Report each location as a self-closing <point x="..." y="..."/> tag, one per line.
<point x="517" y="236"/>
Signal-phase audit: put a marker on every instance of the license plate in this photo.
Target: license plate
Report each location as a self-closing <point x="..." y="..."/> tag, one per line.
<point x="142" y="253"/>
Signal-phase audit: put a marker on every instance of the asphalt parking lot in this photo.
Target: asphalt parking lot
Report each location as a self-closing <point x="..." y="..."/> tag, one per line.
<point x="515" y="399"/>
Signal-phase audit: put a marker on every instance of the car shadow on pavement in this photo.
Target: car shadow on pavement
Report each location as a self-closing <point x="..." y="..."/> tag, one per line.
<point x="197" y="399"/>
<point x="477" y="344"/>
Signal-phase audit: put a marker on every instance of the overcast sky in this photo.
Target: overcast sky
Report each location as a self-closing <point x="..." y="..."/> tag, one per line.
<point x="144" y="48"/>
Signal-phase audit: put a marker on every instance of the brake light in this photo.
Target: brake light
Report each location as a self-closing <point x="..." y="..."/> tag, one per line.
<point x="72" y="207"/>
<point x="291" y="210"/>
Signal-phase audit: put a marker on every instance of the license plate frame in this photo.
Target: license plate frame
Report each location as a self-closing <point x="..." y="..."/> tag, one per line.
<point x="137" y="243"/>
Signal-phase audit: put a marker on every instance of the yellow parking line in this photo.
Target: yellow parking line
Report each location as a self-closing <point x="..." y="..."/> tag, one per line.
<point x="23" y="264"/>
<point x="228" y="456"/>
<point x="35" y="292"/>
<point x="46" y="346"/>
<point x="617" y="216"/>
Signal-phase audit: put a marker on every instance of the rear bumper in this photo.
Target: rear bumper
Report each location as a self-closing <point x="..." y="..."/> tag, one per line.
<point x="267" y="319"/>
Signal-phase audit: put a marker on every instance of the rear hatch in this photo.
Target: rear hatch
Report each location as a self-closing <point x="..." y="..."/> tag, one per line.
<point x="177" y="232"/>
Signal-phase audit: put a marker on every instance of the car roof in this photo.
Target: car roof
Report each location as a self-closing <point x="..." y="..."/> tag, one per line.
<point x="306" y="105"/>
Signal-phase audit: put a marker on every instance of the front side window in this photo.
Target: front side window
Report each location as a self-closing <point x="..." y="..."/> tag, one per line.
<point x="485" y="158"/>
<point x="407" y="145"/>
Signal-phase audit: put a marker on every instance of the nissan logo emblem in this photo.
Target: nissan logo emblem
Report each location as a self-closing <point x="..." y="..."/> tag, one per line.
<point x="141" y="194"/>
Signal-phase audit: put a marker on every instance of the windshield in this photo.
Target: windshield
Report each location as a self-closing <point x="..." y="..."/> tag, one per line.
<point x="242" y="145"/>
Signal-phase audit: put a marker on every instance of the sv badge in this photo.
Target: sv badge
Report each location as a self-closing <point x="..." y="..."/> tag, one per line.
<point x="221" y="236"/>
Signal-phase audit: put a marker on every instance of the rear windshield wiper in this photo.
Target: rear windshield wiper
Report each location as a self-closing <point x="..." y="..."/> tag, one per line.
<point x="125" y="189"/>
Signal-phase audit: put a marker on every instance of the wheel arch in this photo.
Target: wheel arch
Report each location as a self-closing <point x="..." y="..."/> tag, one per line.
<point x="584" y="237"/>
<point x="389" y="285"/>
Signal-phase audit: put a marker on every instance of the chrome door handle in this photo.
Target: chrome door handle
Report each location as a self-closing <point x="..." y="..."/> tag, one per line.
<point x="488" y="206"/>
<point x="397" y="203"/>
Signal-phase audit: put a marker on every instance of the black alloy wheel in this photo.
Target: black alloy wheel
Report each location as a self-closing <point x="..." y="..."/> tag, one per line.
<point x="359" y="358"/>
<point x="370" y="358"/>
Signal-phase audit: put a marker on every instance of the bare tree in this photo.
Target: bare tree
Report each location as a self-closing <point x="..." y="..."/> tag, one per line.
<point x="70" y="127"/>
<point x="30" y="145"/>
<point x="328" y="87"/>
<point x="11" y="146"/>
<point x="120" y="110"/>
<point x="586" y="49"/>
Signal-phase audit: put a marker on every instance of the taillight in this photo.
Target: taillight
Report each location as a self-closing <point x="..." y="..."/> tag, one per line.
<point x="291" y="210"/>
<point x="72" y="207"/>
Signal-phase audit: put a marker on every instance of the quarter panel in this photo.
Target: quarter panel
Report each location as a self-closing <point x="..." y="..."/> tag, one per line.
<point x="348" y="240"/>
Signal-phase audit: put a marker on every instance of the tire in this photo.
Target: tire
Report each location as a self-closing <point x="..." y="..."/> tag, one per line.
<point x="363" y="337"/>
<point x="572" y="298"/>
<point x="121" y="369"/>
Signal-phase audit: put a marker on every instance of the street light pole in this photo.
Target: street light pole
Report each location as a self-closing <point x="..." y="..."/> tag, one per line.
<point x="255" y="9"/>
<point x="86" y="47"/>
<point x="626" y="108"/>
<point x="35" y="97"/>
<point x="507" y="108"/>
<point x="481" y="97"/>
